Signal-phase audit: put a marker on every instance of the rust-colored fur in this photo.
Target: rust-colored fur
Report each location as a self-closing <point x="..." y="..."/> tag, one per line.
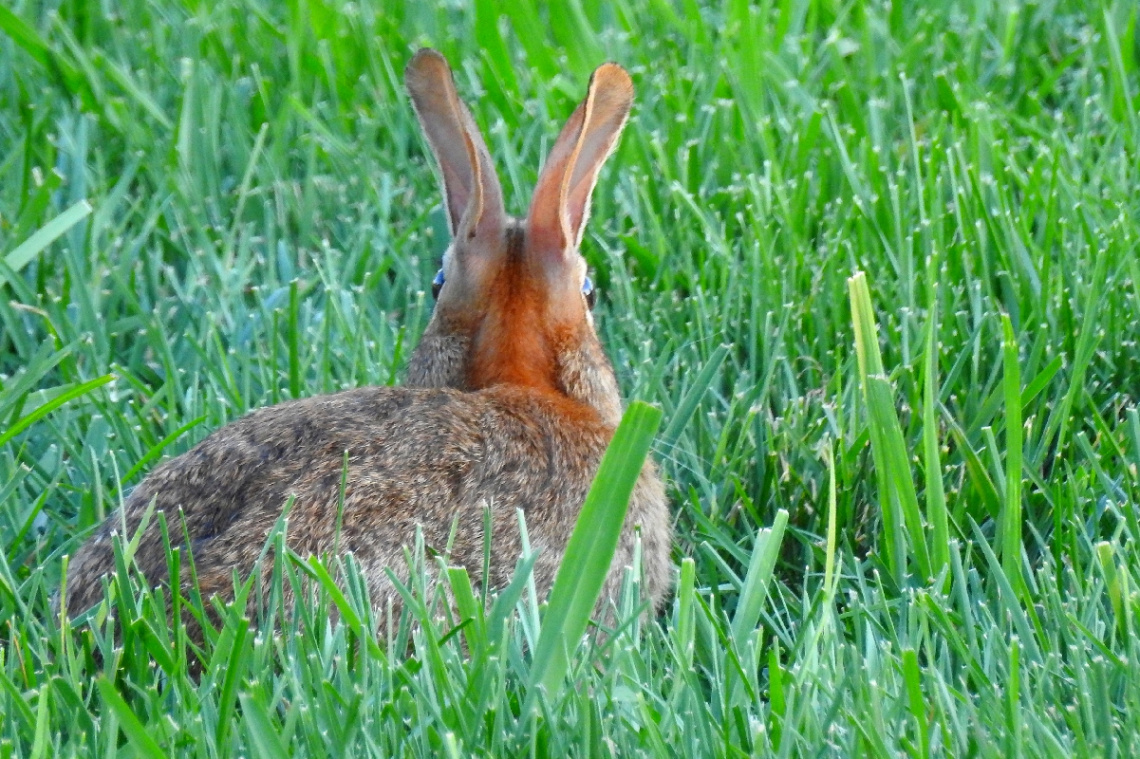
<point x="509" y="404"/>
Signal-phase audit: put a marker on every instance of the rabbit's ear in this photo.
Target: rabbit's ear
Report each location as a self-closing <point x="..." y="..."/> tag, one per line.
<point x="470" y="186"/>
<point x="561" y="200"/>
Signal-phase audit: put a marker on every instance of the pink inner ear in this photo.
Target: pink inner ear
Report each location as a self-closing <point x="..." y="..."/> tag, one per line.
<point x="613" y="96"/>
<point x="546" y="224"/>
<point x="561" y="201"/>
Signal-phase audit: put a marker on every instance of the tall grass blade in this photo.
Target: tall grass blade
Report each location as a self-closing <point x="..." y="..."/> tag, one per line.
<point x="761" y="565"/>
<point x="264" y="737"/>
<point x="936" y="511"/>
<point x="829" y="578"/>
<point x="586" y="562"/>
<point x="692" y="398"/>
<point x="915" y="701"/>
<point x="684" y="624"/>
<point x="1010" y="536"/>
<point x="870" y="364"/>
<point x="903" y="524"/>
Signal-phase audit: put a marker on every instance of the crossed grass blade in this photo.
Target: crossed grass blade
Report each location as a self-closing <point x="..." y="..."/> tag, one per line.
<point x="904" y="528"/>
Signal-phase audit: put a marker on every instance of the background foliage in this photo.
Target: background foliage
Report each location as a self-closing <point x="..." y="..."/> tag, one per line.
<point x="211" y="206"/>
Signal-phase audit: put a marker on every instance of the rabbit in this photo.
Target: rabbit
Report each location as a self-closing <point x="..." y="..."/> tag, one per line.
<point x="508" y="404"/>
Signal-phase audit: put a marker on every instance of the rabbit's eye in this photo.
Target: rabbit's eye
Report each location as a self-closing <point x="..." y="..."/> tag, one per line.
<point x="590" y="293"/>
<point x="437" y="284"/>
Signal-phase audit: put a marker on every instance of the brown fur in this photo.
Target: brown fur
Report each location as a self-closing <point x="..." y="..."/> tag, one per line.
<point x="509" y="404"/>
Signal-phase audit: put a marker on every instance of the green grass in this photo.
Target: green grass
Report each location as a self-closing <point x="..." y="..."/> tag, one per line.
<point x="877" y="263"/>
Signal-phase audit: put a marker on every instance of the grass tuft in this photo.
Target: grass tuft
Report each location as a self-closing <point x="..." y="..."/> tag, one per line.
<point x="210" y="207"/>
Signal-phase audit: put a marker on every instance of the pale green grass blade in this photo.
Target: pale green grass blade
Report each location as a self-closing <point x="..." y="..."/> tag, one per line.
<point x="754" y="592"/>
<point x="915" y="700"/>
<point x="903" y="525"/>
<point x="936" y="511"/>
<point x="40" y="745"/>
<point x="1105" y="555"/>
<point x="1011" y="524"/>
<point x="138" y="735"/>
<point x="1016" y="746"/>
<point x="18" y="257"/>
<point x="264" y="737"/>
<point x="56" y="398"/>
<point x="870" y="364"/>
<point x="468" y="608"/>
<point x="684" y="625"/>
<point x="829" y="577"/>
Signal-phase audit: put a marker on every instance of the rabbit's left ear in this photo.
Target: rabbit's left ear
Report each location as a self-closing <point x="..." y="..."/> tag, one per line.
<point x="561" y="201"/>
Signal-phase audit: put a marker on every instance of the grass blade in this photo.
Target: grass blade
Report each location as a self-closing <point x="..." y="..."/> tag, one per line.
<point x="71" y="393"/>
<point x="903" y="525"/>
<point x="26" y="37"/>
<point x="871" y="364"/>
<point x="591" y="548"/>
<point x="832" y="527"/>
<point x="19" y="257"/>
<point x="915" y="701"/>
<point x="688" y="405"/>
<point x="932" y="460"/>
<point x="137" y="733"/>
<point x="760" y="567"/>
<point x="265" y="739"/>
<point x="1010" y="540"/>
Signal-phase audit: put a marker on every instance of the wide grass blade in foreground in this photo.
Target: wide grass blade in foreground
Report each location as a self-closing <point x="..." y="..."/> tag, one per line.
<point x="590" y="550"/>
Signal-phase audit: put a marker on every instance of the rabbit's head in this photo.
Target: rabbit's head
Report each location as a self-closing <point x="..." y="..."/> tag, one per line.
<point x="513" y="298"/>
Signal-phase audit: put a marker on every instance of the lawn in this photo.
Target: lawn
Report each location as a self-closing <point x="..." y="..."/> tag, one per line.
<point x="877" y="263"/>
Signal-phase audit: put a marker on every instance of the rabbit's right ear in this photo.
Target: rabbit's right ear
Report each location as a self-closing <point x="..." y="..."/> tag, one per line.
<point x="561" y="201"/>
<point x="471" y="189"/>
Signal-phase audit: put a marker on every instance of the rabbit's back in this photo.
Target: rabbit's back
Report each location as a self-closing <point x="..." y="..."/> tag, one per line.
<point x="366" y="466"/>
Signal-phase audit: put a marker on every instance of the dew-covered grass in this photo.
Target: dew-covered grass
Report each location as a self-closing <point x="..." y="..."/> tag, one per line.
<point x="875" y="262"/>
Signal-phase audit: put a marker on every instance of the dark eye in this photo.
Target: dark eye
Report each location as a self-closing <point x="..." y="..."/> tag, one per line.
<point x="590" y="293"/>
<point x="437" y="284"/>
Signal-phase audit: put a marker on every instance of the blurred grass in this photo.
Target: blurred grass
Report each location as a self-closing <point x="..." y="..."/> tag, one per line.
<point x="264" y="225"/>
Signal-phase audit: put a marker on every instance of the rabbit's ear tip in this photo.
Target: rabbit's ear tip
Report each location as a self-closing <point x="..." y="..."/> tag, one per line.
<point x="426" y="59"/>
<point x="425" y="53"/>
<point x="611" y="74"/>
